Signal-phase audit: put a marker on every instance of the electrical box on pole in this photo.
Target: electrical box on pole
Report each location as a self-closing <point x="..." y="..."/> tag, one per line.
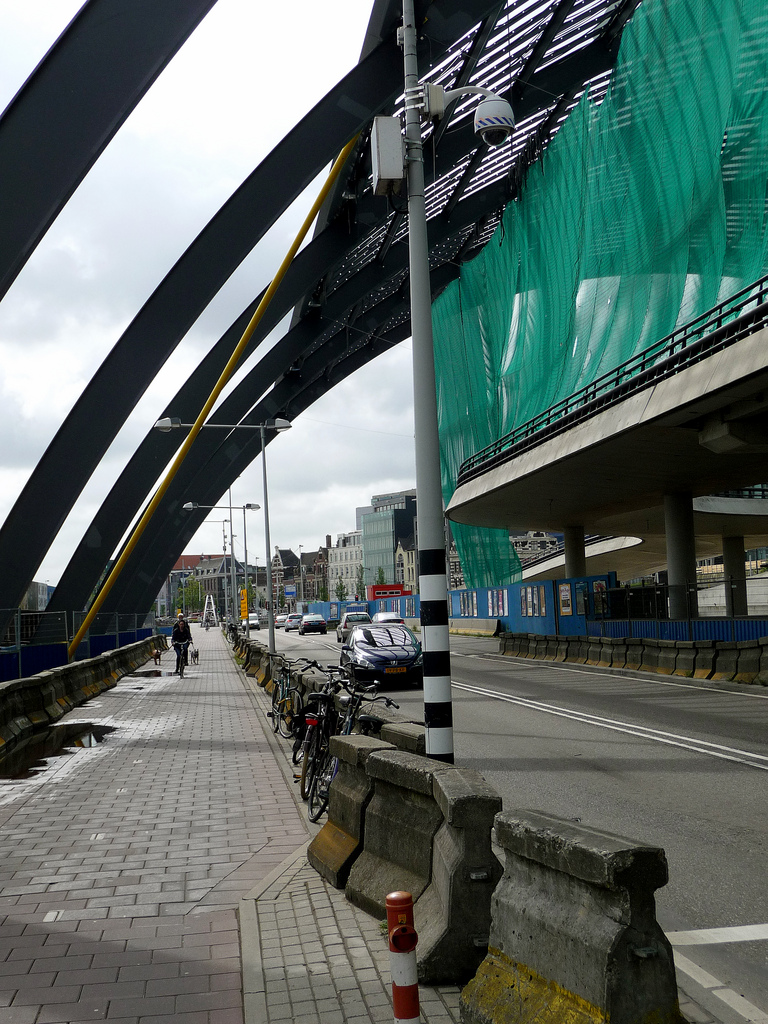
<point x="387" y="155"/>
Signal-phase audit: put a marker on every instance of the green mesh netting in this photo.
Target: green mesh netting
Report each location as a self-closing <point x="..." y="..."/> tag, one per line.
<point x="644" y="212"/>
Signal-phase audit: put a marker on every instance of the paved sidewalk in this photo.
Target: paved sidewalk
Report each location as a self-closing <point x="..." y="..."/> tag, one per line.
<point x="161" y="875"/>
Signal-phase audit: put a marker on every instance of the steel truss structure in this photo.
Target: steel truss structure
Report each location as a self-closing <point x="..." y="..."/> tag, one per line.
<point x="347" y="288"/>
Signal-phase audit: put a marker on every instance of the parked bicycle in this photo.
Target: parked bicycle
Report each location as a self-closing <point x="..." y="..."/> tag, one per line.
<point x="287" y="708"/>
<point x="320" y="721"/>
<point x="326" y="764"/>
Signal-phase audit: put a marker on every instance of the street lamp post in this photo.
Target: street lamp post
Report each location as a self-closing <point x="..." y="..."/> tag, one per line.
<point x="278" y="424"/>
<point x="190" y="505"/>
<point x="493" y="122"/>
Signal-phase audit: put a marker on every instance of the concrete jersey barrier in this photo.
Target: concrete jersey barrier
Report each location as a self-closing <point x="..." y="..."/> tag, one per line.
<point x="35" y="702"/>
<point x="427" y="830"/>
<point x="742" y="662"/>
<point x="573" y="932"/>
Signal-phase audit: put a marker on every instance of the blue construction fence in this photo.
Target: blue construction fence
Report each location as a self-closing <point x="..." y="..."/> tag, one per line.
<point x="551" y="607"/>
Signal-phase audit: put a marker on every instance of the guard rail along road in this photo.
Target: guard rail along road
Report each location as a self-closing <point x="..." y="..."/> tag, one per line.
<point x="743" y="661"/>
<point x="31" y="704"/>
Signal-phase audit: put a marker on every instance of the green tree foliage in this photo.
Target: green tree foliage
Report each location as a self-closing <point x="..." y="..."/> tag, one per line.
<point x="341" y="589"/>
<point x="380" y="577"/>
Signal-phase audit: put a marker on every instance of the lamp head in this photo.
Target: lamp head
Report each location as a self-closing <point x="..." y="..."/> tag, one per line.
<point x="168" y="423"/>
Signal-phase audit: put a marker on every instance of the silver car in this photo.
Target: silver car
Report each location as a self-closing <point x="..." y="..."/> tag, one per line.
<point x="348" y="621"/>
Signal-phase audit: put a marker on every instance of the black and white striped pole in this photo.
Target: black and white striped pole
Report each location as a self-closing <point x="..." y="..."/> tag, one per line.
<point x="433" y="584"/>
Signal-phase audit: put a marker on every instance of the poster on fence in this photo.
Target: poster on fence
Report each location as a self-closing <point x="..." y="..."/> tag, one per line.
<point x="566" y="601"/>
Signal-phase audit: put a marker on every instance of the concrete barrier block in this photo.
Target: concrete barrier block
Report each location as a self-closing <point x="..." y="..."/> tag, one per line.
<point x="337" y="845"/>
<point x="573" y="932"/>
<point x="594" y="650"/>
<point x="748" y="661"/>
<point x="406" y="736"/>
<point x="578" y="649"/>
<point x="453" y="916"/>
<point x="634" y="653"/>
<point x="762" y="675"/>
<point x="562" y="649"/>
<point x="400" y="824"/>
<point x="685" y="662"/>
<point x="650" y="656"/>
<point x="618" y="651"/>
<point x="550" y="651"/>
<point x="705" y="659"/>
<point x="667" y="657"/>
<point x="726" y="660"/>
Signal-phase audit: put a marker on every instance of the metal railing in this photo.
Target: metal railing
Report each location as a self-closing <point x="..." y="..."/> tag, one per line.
<point x="736" y="318"/>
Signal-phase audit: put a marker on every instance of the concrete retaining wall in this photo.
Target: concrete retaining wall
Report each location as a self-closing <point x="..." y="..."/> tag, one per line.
<point x="38" y="701"/>
<point x="742" y="662"/>
<point x="573" y="931"/>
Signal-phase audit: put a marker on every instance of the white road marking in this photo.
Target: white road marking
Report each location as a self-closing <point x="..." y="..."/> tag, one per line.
<point x="709" y="936"/>
<point x="718" y="750"/>
<point x="742" y="1006"/>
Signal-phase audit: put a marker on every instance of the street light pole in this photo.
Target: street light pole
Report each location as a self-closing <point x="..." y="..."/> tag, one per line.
<point x="433" y="587"/>
<point x="232" y="574"/>
<point x="278" y="424"/>
<point x="270" y="605"/>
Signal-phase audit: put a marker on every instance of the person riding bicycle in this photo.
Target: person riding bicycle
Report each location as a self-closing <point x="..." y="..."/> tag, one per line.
<point x="181" y="635"/>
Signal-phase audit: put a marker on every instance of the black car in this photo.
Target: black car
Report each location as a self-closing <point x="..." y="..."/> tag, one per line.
<point x="312" y="624"/>
<point x="384" y="653"/>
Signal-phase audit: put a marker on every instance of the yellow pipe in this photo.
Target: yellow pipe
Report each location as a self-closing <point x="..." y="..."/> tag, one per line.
<point x="225" y="375"/>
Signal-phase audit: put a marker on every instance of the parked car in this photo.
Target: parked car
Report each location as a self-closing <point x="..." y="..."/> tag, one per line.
<point x="388" y="617"/>
<point x="312" y="623"/>
<point x="348" y="620"/>
<point x="292" y="621"/>
<point x="280" y="621"/>
<point x="382" y="652"/>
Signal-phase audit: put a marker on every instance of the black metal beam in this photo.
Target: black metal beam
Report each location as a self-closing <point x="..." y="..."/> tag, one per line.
<point x="65" y="114"/>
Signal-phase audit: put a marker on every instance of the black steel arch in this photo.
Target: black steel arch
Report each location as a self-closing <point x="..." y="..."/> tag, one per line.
<point x="64" y="115"/>
<point x="346" y="223"/>
<point x="73" y="454"/>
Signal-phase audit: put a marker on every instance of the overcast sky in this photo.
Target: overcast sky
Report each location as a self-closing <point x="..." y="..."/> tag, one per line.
<point x="209" y="119"/>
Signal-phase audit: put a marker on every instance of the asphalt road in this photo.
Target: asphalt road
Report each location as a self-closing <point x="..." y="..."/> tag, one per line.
<point x="667" y="762"/>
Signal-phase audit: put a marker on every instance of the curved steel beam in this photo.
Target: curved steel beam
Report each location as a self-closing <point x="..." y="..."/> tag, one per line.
<point x="294" y="345"/>
<point x="144" y="347"/>
<point x="65" y="114"/>
<point x="70" y="459"/>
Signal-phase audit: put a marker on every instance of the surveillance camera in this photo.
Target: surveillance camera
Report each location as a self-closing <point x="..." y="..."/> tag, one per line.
<point x="494" y="121"/>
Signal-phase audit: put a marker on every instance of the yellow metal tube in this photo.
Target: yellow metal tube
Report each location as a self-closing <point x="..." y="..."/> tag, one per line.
<point x="219" y="386"/>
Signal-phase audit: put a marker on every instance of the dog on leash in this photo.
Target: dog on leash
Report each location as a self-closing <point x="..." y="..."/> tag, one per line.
<point x="194" y="655"/>
<point x="156" y="656"/>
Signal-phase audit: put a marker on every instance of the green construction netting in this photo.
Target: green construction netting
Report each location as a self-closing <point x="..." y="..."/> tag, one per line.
<point x="644" y="212"/>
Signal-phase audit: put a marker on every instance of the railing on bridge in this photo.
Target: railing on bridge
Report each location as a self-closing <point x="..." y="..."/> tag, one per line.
<point x="732" y="320"/>
<point x="36" y="641"/>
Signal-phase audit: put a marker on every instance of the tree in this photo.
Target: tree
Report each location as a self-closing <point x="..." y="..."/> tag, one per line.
<point x="280" y="598"/>
<point x="360" y="582"/>
<point x="323" y="596"/>
<point x="341" y="589"/>
<point x="380" y="577"/>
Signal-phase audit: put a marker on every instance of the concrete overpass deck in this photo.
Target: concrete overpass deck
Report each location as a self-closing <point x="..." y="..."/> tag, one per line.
<point x="699" y="432"/>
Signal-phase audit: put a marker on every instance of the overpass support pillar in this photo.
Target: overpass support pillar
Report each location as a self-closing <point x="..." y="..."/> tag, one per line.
<point x="681" y="555"/>
<point x="575" y="557"/>
<point x="735" y="577"/>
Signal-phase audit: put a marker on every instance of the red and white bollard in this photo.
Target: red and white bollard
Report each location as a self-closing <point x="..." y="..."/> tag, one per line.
<point x="402" y="957"/>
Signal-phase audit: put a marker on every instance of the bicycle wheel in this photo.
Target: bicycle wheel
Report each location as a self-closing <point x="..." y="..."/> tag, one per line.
<point x="290" y="707"/>
<point x="275" y="713"/>
<point x="320" y="787"/>
<point x="311" y="748"/>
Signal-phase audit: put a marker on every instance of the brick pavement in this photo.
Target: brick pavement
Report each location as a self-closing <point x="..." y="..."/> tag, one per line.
<point x="133" y="874"/>
<point x="122" y="865"/>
